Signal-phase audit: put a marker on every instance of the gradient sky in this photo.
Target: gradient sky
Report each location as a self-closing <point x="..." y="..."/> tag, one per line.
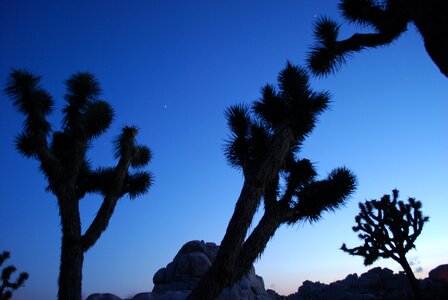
<point x="171" y="68"/>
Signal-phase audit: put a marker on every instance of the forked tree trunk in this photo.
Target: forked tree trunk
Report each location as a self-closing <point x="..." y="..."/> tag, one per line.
<point x="219" y="274"/>
<point x="251" y="249"/>
<point x="70" y="273"/>
<point x="257" y="241"/>
<point x="222" y="270"/>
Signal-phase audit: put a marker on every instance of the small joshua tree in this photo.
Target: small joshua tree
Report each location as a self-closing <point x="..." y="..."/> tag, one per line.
<point x="7" y="286"/>
<point x="388" y="19"/>
<point x="265" y="143"/>
<point x="389" y="229"/>
<point x="64" y="163"/>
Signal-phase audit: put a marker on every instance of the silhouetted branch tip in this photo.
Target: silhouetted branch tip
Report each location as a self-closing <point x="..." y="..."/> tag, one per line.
<point x="7" y="286"/>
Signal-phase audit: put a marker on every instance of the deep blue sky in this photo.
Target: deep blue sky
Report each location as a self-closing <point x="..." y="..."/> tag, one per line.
<point x="171" y="68"/>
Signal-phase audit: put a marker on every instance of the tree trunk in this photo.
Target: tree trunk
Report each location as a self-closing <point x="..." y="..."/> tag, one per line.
<point x="221" y="271"/>
<point x="437" y="48"/>
<point x="70" y="272"/>
<point x="412" y="280"/>
<point x="430" y="17"/>
<point x="72" y="254"/>
<point x="255" y="244"/>
<point x="214" y="281"/>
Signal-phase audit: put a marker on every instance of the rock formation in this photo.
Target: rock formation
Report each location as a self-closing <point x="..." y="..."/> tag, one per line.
<point x="439" y="274"/>
<point x="192" y="262"/>
<point x="177" y="279"/>
<point x="376" y="284"/>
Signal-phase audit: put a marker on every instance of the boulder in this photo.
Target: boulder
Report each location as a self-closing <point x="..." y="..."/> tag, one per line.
<point x="179" y="277"/>
<point x="191" y="263"/>
<point x="143" y="296"/>
<point x="105" y="296"/>
<point x="439" y="274"/>
<point x="160" y="276"/>
<point x="199" y="264"/>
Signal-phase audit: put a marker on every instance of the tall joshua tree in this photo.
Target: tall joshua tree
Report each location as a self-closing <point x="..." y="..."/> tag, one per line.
<point x="265" y="142"/>
<point x="64" y="163"/>
<point x="7" y="286"/>
<point x="389" y="228"/>
<point x="389" y="19"/>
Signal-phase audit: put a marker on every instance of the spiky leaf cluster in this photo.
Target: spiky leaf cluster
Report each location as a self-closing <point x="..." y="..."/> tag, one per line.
<point x="35" y="103"/>
<point x="85" y="117"/>
<point x="328" y="194"/>
<point x="387" y="19"/>
<point x="389" y="228"/>
<point x="293" y="108"/>
<point x="305" y="198"/>
<point x="8" y="285"/>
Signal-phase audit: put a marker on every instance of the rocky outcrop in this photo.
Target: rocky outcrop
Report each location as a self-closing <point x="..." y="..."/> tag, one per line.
<point x="439" y="274"/>
<point x="376" y="284"/>
<point x="178" y="278"/>
<point x="106" y="296"/>
<point x="192" y="262"/>
<point x="188" y="266"/>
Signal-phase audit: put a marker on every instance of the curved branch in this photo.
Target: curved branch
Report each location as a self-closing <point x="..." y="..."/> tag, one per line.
<point x="99" y="224"/>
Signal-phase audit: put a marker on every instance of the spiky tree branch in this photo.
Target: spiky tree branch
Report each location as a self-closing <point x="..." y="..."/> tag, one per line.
<point x="8" y="286"/>
<point x="389" y="228"/>
<point x="35" y="103"/>
<point x="388" y="19"/>
<point x="66" y="167"/>
<point x="265" y="141"/>
<point x="119" y="183"/>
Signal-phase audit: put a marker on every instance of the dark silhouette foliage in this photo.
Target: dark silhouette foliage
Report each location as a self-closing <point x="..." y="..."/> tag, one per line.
<point x="389" y="228"/>
<point x="264" y="144"/>
<point x="63" y="161"/>
<point x="388" y="19"/>
<point x="8" y="286"/>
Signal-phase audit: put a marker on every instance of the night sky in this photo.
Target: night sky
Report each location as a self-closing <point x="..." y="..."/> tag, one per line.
<point x="172" y="68"/>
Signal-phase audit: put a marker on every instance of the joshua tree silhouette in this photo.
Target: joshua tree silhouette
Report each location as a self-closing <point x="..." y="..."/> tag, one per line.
<point x="67" y="170"/>
<point x="389" y="229"/>
<point x="389" y="19"/>
<point x="7" y="286"/>
<point x="265" y="141"/>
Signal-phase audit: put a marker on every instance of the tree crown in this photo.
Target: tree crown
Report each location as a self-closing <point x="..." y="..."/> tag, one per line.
<point x="389" y="228"/>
